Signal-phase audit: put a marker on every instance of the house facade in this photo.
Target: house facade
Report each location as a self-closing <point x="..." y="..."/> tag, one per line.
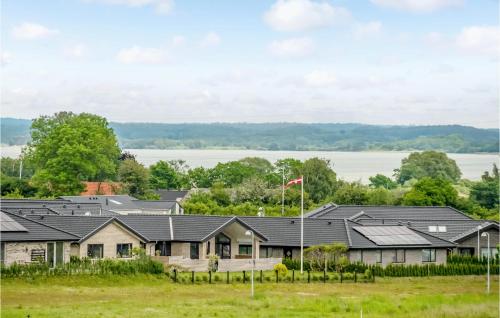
<point x="381" y="236"/>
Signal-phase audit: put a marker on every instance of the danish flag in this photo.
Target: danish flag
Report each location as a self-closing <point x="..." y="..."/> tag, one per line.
<point x="294" y="182"/>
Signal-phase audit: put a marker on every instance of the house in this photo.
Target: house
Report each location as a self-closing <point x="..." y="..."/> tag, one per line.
<point x="101" y="188"/>
<point x="372" y="234"/>
<point x="125" y="204"/>
<point x="172" y="195"/>
<point x="443" y="222"/>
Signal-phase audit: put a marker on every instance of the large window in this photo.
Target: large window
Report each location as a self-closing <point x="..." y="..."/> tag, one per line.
<point x="55" y="254"/>
<point x="378" y="256"/>
<point x="484" y="252"/>
<point x="429" y="255"/>
<point x="194" y="251"/>
<point x="2" y="252"/>
<point x="245" y="249"/>
<point x="95" y="250"/>
<point x="164" y="248"/>
<point x="124" y="250"/>
<point x="399" y="256"/>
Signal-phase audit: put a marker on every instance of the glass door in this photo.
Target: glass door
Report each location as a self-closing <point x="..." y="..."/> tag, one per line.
<point x="55" y="254"/>
<point x="50" y="254"/>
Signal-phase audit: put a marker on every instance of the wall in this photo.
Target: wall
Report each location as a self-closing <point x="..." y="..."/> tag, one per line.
<point x="472" y="241"/>
<point x="412" y="256"/>
<point x="21" y="252"/>
<point x="181" y="249"/>
<point x="109" y="236"/>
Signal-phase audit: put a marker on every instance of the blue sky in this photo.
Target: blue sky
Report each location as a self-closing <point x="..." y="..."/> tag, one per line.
<point x="369" y="61"/>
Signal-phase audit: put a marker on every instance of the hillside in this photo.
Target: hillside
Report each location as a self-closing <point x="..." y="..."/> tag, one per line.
<point x="286" y="136"/>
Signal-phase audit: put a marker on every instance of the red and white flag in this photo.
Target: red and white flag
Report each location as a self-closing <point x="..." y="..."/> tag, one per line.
<point x="294" y="182"/>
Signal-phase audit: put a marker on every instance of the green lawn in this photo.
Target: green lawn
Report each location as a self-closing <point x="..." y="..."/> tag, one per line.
<point x="150" y="296"/>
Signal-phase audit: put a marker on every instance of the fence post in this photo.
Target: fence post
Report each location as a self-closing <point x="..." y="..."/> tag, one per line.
<point x="261" y="276"/>
<point x="175" y="275"/>
<point x="341" y="277"/>
<point x="192" y="277"/>
<point x="227" y="277"/>
<point x="308" y="276"/>
<point x="324" y="276"/>
<point x="209" y="277"/>
<point x="276" y="271"/>
<point x="244" y="277"/>
<point x="373" y="276"/>
<point x="355" y="276"/>
<point x="293" y="275"/>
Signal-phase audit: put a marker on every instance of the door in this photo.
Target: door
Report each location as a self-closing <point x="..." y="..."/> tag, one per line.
<point x="287" y="252"/>
<point x="223" y="246"/>
<point x="55" y="255"/>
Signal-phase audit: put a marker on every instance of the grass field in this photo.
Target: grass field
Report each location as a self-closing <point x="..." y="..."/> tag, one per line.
<point x="151" y="296"/>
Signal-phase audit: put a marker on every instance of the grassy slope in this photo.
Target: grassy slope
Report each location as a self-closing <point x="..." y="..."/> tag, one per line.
<point x="144" y="296"/>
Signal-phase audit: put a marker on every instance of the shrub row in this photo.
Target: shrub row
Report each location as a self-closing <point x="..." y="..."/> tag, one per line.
<point x="467" y="259"/>
<point x="85" y="267"/>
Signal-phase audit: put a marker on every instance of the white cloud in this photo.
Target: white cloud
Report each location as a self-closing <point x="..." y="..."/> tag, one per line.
<point x="76" y="51"/>
<point x="372" y="28"/>
<point x="320" y="78"/>
<point x="434" y="38"/>
<point x="295" y="47"/>
<point x="178" y="40"/>
<point x="29" y="31"/>
<point x="5" y="57"/>
<point x="161" y="6"/>
<point x="299" y="15"/>
<point x="211" y="39"/>
<point x="480" y="40"/>
<point x="142" y="55"/>
<point x="418" y="5"/>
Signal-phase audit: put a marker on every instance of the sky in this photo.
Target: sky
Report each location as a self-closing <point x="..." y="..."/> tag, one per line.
<point x="405" y="62"/>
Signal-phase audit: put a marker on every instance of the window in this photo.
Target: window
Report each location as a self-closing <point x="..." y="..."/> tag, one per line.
<point x="194" y="251"/>
<point x="399" y="256"/>
<point x="208" y="248"/>
<point x="164" y="248"/>
<point x="2" y="252"/>
<point x="266" y="252"/>
<point x="493" y="252"/>
<point x="245" y="250"/>
<point x="38" y="255"/>
<point x="437" y="228"/>
<point x="429" y="255"/>
<point x="378" y="256"/>
<point x="124" y="250"/>
<point x="55" y="254"/>
<point x="95" y="250"/>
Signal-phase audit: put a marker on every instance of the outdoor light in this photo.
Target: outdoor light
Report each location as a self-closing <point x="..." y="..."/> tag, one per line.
<point x="250" y="233"/>
<point x="486" y="234"/>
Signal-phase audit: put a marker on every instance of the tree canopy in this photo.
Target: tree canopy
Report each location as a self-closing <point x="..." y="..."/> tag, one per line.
<point x="431" y="192"/>
<point x="431" y="164"/>
<point x="67" y="148"/>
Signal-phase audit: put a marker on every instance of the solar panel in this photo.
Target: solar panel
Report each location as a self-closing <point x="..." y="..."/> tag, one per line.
<point x="7" y="224"/>
<point x="391" y="235"/>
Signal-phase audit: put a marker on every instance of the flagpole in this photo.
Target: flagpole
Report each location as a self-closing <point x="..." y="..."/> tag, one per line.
<point x="283" y="191"/>
<point x="302" y="225"/>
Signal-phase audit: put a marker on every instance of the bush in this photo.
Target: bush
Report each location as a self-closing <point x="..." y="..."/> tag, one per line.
<point x="281" y="269"/>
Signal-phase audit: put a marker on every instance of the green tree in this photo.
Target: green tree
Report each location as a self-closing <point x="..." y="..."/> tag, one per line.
<point x="351" y="193"/>
<point x="199" y="177"/>
<point x="163" y="176"/>
<point x="319" y="178"/>
<point x="220" y="194"/>
<point x="431" y="192"/>
<point x="134" y="177"/>
<point x="381" y="181"/>
<point x="66" y="149"/>
<point x="431" y="164"/>
<point x="10" y="167"/>
<point x="486" y="192"/>
<point x="231" y="173"/>
<point x="380" y="196"/>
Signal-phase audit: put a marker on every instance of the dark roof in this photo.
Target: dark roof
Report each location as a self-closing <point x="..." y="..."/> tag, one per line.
<point x="36" y="231"/>
<point x="359" y="241"/>
<point x="283" y="231"/>
<point x="171" y="195"/>
<point x="454" y="228"/>
<point x="473" y="231"/>
<point x="332" y="211"/>
<point x="81" y="226"/>
<point x="152" y="205"/>
<point x="59" y="206"/>
<point x="108" y="202"/>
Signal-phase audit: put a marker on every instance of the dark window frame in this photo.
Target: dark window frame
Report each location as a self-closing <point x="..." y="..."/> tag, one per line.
<point x="89" y="249"/>
<point x="247" y="249"/>
<point x="431" y="254"/>
<point x="194" y="248"/>
<point x="120" y="246"/>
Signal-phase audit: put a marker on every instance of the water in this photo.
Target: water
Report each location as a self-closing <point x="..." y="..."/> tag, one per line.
<point x="351" y="166"/>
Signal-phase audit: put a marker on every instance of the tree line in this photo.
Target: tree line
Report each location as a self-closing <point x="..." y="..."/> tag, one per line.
<point x="67" y="149"/>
